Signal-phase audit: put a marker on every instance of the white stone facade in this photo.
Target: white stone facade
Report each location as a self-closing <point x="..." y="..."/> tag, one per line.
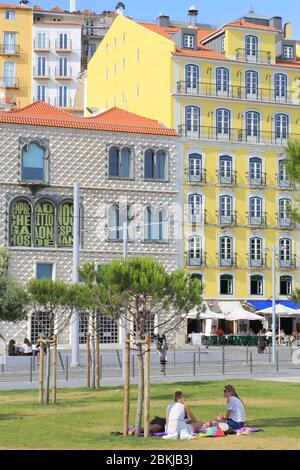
<point x="56" y="62"/>
<point x="82" y="155"/>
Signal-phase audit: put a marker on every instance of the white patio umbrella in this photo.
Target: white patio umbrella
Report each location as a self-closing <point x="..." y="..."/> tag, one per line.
<point x="212" y="316"/>
<point x="242" y="314"/>
<point x="280" y="310"/>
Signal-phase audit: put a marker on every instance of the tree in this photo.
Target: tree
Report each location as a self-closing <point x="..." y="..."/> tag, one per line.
<point x="139" y="290"/>
<point x="292" y="166"/>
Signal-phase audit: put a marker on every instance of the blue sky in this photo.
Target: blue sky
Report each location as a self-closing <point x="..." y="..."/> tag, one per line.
<point x="214" y="12"/>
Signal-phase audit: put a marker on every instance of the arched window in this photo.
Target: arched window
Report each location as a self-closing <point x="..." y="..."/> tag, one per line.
<point x="33" y="162"/>
<point x="251" y="84"/>
<point x="155" y="164"/>
<point x="280" y="87"/>
<point x="195" y="208"/>
<point x="226" y="255"/>
<point x="286" y="285"/>
<point x="226" y="174"/>
<point x="256" y="177"/>
<point x="222" y="81"/>
<point x="199" y="278"/>
<point x="119" y="162"/>
<point x="283" y="177"/>
<point x="227" y="216"/>
<point x="253" y="126"/>
<point x="256" y="212"/>
<point x="285" y="253"/>
<point x="192" y="119"/>
<point x="20" y="223"/>
<point x="256" y="258"/>
<point x="195" y="256"/>
<point x="44" y="224"/>
<point x="156" y="224"/>
<point x="251" y="48"/>
<point x="223" y="123"/>
<point x="65" y="224"/>
<point x="191" y="78"/>
<point x="256" y="285"/>
<point x="284" y="214"/>
<point x="226" y="284"/>
<point x="281" y="127"/>
<point x="114" y="227"/>
<point x="195" y="168"/>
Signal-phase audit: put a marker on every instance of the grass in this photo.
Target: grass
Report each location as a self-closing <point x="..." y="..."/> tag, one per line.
<point x="84" y="419"/>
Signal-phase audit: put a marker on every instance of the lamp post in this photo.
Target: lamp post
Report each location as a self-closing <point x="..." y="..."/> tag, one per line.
<point x="273" y="304"/>
<point x="76" y="255"/>
<point x="124" y="326"/>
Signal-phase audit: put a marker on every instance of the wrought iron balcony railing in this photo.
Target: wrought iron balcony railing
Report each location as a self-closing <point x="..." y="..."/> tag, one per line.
<point x="256" y="56"/>
<point x="227" y="218"/>
<point x="196" y="176"/>
<point x="227" y="260"/>
<point x="63" y="45"/>
<point x="196" y="259"/>
<point x="9" y="82"/>
<point x="257" y="261"/>
<point x="227" y="177"/>
<point x="256" y="220"/>
<point x="289" y="262"/>
<point x="41" y="45"/>
<point x="257" y="179"/>
<point x="63" y="73"/>
<point x="285" y="221"/>
<point x="9" y="49"/>
<point x="284" y="182"/>
<point x="41" y="72"/>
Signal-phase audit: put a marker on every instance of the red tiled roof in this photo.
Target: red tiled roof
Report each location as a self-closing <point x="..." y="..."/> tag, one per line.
<point x="115" y="119"/>
<point x="166" y="32"/>
<point x="13" y="6"/>
<point x="58" y="23"/>
<point x="8" y="100"/>
<point x="204" y="33"/>
<point x="284" y="63"/>
<point x="58" y="10"/>
<point x="246" y="24"/>
<point x="204" y="52"/>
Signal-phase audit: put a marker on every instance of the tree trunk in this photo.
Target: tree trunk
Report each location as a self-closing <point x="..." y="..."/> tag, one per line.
<point x="88" y="361"/>
<point x="54" y="369"/>
<point x="48" y="374"/>
<point x="97" y="361"/>
<point x="41" y="372"/>
<point x="140" y="398"/>
<point x="93" y="363"/>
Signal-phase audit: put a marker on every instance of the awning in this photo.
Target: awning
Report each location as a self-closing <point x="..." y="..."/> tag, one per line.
<point x="262" y="304"/>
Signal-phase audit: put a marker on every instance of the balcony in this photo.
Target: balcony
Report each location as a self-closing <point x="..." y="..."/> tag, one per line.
<point x="63" y="45"/>
<point x="258" y="261"/>
<point x="63" y="73"/>
<point x="40" y="45"/>
<point x="257" y="220"/>
<point x="283" y="182"/>
<point x="196" y="260"/>
<point x="228" y="218"/>
<point x="235" y="136"/>
<point x="287" y="262"/>
<point x="196" y="176"/>
<point x="9" y="49"/>
<point x="226" y="178"/>
<point x="229" y="260"/>
<point x="9" y="82"/>
<point x="41" y="73"/>
<point x="197" y="218"/>
<point x="254" y="56"/>
<point x="285" y="221"/>
<point x="258" y="180"/>
<point x="239" y="92"/>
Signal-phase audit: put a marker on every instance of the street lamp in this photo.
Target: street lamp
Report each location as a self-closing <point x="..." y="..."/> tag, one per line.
<point x="273" y="251"/>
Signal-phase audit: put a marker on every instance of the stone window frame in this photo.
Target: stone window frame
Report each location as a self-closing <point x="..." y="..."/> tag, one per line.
<point x="155" y="150"/>
<point x="24" y="143"/>
<point x="131" y="176"/>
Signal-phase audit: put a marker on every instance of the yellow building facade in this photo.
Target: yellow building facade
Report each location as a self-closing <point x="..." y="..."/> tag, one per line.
<point x="233" y="95"/>
<point x="16" y="54"/>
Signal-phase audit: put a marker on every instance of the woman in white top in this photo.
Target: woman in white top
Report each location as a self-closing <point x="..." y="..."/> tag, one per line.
<point x="181" y="415"/>
<point x="235" y="416"/>
<point x="27" y="347"/>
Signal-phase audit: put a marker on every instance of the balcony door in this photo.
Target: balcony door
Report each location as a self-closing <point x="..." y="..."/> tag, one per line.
<point x="251" y="48"/>
<point x="251" y="85"/>
<point x="226" y="251"/>
<point x="255" y="211"/>
<point x="284" y="212"/>
<point x="253" y="126"/>
<point x="195" y="208"/>
<point x="195" y="168"/>
<point x="256" y="258"/>
<point x="10" y="43"/>
<point x="223" y="124"/>
<point x="280" y="87"/>
<point x="222" y="81"/>
<point x="285" y="253"/>
<point x="9" y="74"/>
<point x="63" y="66"/>
<point x="42" y="40"/>
<point x="195" y="251"/>
<point x="255" y="171"/>
<point x="192" y="79"/>
<point x="281" y="128"/>
<point x="226" y="173"/>
<point x="192" y="121"/>
<point x="226" y="210"/>
<point x="41" y="66"/>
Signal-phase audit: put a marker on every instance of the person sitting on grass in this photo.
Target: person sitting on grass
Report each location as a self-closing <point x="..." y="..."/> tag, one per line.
<point x="235" y="416"/>
<point x="189" y="418"/>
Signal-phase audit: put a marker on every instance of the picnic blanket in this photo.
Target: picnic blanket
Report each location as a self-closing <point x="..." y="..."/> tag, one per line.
<point x="215" y="432"/>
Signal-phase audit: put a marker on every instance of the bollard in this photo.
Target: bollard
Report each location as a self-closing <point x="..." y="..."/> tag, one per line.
<point x="277" y="361"/>
<point x="247" y="354"/>
<point x="2" y="367"/>
<point x="270" y="356"/>
<point x="165" y="370"/>
<point x="223" y="360"/>
<point x="61" y="360"/>
<point x="30" y="371"/>
<point x="67" y="368"/>
<point x="194" y="364"/>
<point x="33" y="361"/>
<point x="199" y="355"/>
<point x="119" y="360"/>
<point x="132" y="366"/>
<point x="251" y="362"/>
<point x="174" y="357"/>
<point x="100" y="366"/>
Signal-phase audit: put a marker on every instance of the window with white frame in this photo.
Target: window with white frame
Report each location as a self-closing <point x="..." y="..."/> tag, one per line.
<point x="119" y="162"/>
<point x="195" y="205"/>
<point x="117" y="215"/>
<point x="223" y="117"/>
<point x="188" y="41"/>
<point x="191" y="78"/>
<point x="63" y="96"/>
<point x="281" y="127"/>
<point x="9" y="74"/>
<point x="285" y="285"/>
<point x="155" y="166"/>
<point x="226" y="169"/>
<point x="192" y="119"/>
<point x="251" y="83"/>
<point x="33" y="162"/>
<point x="227" y="215"/>
<point x="195" y="255"/>
<point x="156" y="224"/>
<point x="108" y="328"/>
<point x="10" y="15"/>
<point x="283" y="177"/>
<point x="44" y="271"/>
<point x="251" y="47"/>
<point x="256" y="285"/>
<point x="256" y="252"/>
<point x="252" y="125"/>
<point x="41" y="66"/>
<point x="226" y="284"/>
<point x="63" y="67"/>
<point x="41" y="93"/>
<point x="285" y="212"/>
<point x="222" y="81"/>
<point x="10" y="43"/>
<point x="255" y="171"/>
<point x="288" y="52"/>
<point x="285" y="253"/>
<point x="256" y="211"/>
<point x="280" y="86"/>
<point x="226" y="255"/>
<point x="195" y="168"/>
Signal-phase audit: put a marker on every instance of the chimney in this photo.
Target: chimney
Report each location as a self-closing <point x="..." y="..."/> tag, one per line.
<point x="120" y="7"/>
<point x="276" y="22"/>
<point x="72" y="5"/>
<point x="193" y="14"/>
<point x="288" y="31"/>
<point x="163" y="21"/>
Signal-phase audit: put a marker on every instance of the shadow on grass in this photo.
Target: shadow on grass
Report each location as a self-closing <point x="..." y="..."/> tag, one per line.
<point x="276" y="422"/>
<point x="8" y="416"/>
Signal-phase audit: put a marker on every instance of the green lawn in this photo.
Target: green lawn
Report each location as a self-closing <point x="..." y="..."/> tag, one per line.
<point x="84" y="419"/>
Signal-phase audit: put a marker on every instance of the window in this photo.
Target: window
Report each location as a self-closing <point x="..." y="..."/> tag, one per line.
<point x="285" y="253"/>
<point x="192" y="79"/>
<point x="155" y="164"/>
<point x="10" y="46"/>
<point x="195" y="168"/>
<point x="41" y="40"/>
<point x="41" y="66"/>
<point x="251" y="47"/>
<point x="195" y="208"/>
<point x="156" y="224"/>
<point x="256" y="285"/>
<point x="83" y="327"/>
<point x="288" y="52"/>
<point x="123" y="63"/>
<point x="226" y="210"/>
<point x="255" y="171"/>
<point x="63" y="96"/>
<point x="63" y="67"/>
<point x="280" y="87"/>
<point x="223" y="123"/>
<point x="42" y="224"/>
<point x="226" y="252"/>
<point x="108" y="328"/>
<point x="223" y="45"/>
<point x="44" y="270"/>
<point x="256" y="214"/>
<point x="226" y="284"/>
<point x="226" y="175"/>
<point x="199" y="277"/>
<point x="286" y="285"/>
<point x="252" y="126"/>
<point x="116" y="217"/>
<point x="119" y="162"/>
<point x="195" y="257"/>
<point x="222" y="81"/>
<point x="256" y="253"/>
<point x="251" y="84"/>
<point x="137" y="90"/>
<point x="284" y="212"/>
<point x="192" y="119"/>
<point x="33" y="162"/>
<point x="63" y="41"/>
<point x="10" y="15"/>
<point x="281" y="127"/>
<point x="188" y="41"/>
<point x="41" y="92"/>
<point x="283" y="179"/>
<point x="9" y="74"/>
<point x="40" y="326"/>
